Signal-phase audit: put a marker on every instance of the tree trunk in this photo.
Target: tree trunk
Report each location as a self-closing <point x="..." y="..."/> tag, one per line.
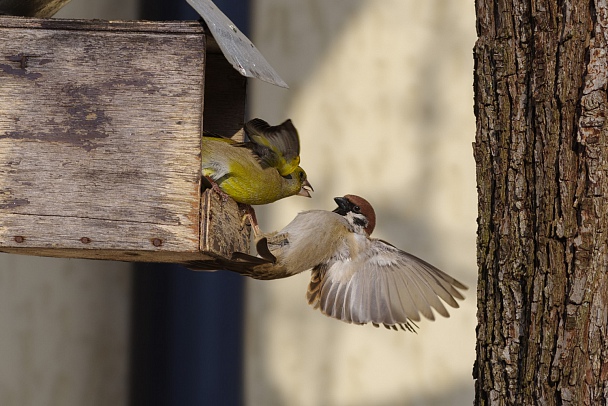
<point x="542" y="158"/>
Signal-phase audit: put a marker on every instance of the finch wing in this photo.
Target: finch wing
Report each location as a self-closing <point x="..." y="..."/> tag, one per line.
<point x="384" y="286"/>
<point x="275" y="146"/>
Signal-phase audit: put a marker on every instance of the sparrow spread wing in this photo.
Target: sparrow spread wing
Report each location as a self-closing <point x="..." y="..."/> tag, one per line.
<point x="276" y="146"/>
<point x="382" y="285"/>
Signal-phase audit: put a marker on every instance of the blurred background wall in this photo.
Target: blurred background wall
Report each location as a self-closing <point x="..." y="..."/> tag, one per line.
<point x="381" y="93"/>
<point x="64" y="324"/>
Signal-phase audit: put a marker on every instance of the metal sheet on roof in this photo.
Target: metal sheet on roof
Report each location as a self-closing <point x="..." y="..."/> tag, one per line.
<point x="235" y="46"/>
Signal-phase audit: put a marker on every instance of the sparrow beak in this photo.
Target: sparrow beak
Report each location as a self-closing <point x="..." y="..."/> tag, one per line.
<point x="304" y="190"/>
<point x="343" y="205"/>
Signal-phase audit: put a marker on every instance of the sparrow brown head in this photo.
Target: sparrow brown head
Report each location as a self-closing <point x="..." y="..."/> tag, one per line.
<point x="357" y="205"/>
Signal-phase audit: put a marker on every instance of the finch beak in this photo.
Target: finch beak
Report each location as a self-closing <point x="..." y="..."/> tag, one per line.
<point x="304" y="189"/>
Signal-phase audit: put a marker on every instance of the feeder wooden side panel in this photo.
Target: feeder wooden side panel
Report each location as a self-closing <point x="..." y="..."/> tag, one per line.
<point x="112" y="240"/>
<point x="223" y="233"/>
<point x="223" y="230"/>
<point x="100" y="139"/>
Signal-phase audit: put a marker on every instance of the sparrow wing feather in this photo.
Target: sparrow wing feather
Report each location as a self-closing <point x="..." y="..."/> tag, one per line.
<point x="383" y="285"/>
<point x="330" y="294"/>
<point x="314" y="287"/>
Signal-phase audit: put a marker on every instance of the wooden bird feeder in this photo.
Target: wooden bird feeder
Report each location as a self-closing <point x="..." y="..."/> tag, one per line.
<point x="100" y="136"/>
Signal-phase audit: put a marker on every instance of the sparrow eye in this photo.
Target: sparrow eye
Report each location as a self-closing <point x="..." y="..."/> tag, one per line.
<point x="357" y="209"/>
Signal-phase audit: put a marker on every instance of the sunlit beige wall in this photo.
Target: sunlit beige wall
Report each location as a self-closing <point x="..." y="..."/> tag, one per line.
<point x="64" y="324"/>
<point x="381" y="93"/>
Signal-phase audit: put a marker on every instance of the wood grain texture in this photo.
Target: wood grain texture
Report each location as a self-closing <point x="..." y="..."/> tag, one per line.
<point x="156" y="27"/>
<point x="223" y="230"/>
<point x="542" y="159"/>
<point x="100" y="139"/>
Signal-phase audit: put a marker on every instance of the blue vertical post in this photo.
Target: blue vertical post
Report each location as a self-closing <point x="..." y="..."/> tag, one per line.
<point x="187" y="327"/>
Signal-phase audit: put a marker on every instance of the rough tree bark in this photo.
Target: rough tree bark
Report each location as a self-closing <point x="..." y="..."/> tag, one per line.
<point x="541" y="151"/>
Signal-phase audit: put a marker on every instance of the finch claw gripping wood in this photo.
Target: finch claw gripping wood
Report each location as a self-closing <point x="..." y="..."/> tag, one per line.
<point x="216" y="188"/>
<point x="250" y="216"/>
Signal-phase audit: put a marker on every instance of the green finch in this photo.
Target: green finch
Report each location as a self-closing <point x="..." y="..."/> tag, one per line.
<point x="250" y="172"/>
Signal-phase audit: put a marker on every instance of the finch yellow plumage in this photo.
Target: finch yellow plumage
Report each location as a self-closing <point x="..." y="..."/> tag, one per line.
<point x="248" y="173"/>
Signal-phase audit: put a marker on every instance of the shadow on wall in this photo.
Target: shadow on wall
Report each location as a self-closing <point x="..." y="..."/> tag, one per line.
<point x="404" y="145"/>
<point x="455" y="396"/>
<point x="65" y="329"/>
<point x="285" y="26"/>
